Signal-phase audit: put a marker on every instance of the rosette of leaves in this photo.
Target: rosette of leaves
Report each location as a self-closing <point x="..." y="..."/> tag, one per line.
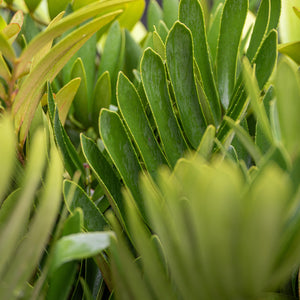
<point x="217" y="233"/>
<point x="183" y="97"/>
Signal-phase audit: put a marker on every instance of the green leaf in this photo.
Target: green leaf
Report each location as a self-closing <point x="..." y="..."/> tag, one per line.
<point x="292" y="50"/>
<point x="158" y="45"/>
<point x="133" y="53"/>
<point x="101" y="97"/>
<point x="8" y="206"/>
<point x="4" y="71"/>
<point x="78" y="246"/>
<point x="40" y="227"/>
<point x="6" y="49"/>
<point x="105" y="175"/>
<point x="71" y="158"/>
<point x="260" y="28"/>
<point x="80" y="102"/>
<point x="32" y="4"/>
<point x="232" y="23"/>
<point x="154" y="15"/>
<point x="62" y="279"/>
<point x="7" y="154"/>
<point x="213" y="32"/>
<point x="191" y="14"/>
<point x="181" y="71"/>
<point x="121" y="151"/>
<point x="275" y="14"/>
<point x="207" y="142"/>
<point x="287" y="92"/>
<point x="56" y="6"/>
<point x="113" y="55"/>
<point x="46" y="70"/>
<point x="136" y="120"/>
<point x="154" y="81"/>
<point x="260" y="138"/>
<point x="246" y="140"/>
<point x="64" y="98"/>
<point x="93" y="218"/>
<point x="170" y="11"/>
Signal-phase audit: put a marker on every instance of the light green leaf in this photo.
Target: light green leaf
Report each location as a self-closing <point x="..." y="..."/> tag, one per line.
<point x="191" y="14"/>
<point x="232" y="23"/>
<point x="136" y="120"/>
<point x="7" y="154"/>
<point x="78" y="246"/>
<point x="64" y="98"/>
<point x="181" y="70"/>
<point x="292" y="50"/>
<point x="154" y="81"/>
<point x="207" y="142"/>
<point x="4" y="71"/>
<point x="288" y="105"/>
<point x="158" y="45"/>
<point x="47" y="68"/>
<point x="6" y="49"/>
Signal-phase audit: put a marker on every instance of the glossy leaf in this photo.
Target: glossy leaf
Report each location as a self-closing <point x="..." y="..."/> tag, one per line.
<point x="121" y="151"/>
<point x="78" y="246"/>
<point x="191" y="14"/>
<point x="181" y="70"/>
<point x="156" y="89"/>
<point x="93" y="218"/>
<point x="134" y="115"/>
<point x="232" y="23"/>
